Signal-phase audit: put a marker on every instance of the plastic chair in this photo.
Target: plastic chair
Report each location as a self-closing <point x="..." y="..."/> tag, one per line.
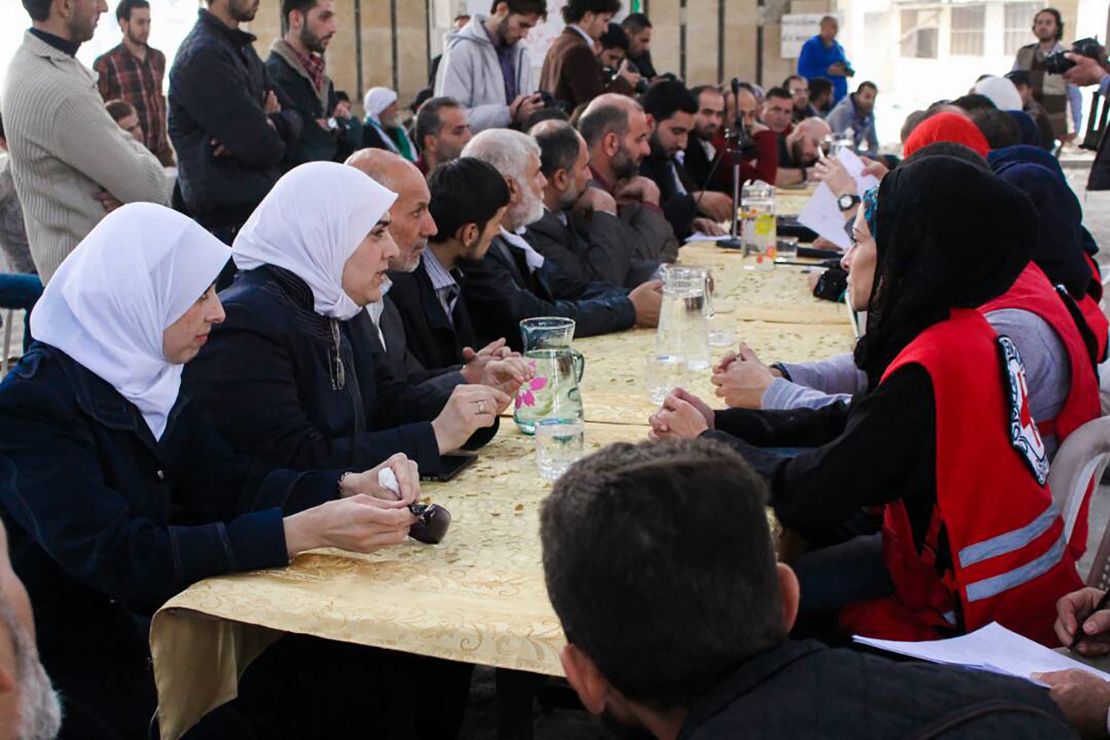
<point x="1081" y="459"/>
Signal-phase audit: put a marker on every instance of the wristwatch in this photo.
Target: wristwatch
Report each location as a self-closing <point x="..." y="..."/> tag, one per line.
<point x="846" y="202"/>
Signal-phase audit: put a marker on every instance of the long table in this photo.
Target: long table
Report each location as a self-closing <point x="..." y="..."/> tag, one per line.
<point x="479" y="596"/>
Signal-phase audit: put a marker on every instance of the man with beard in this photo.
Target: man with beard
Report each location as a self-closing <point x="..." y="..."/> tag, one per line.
<point x="468" y="199"/>
<point x="798" y="87"/>
<point x="29" y="706"/>
<point x="857" y="114"/>
<point x="410" y="226"/>
<point x="571" y="71"/>
<point x="580" y="231"/>
<point x="617" y="132"/>
<point x="514" y="281"/>
<point x="227" y="124"/>
<point x="687" y="205"/>
<point x="704" y="148"/>
<point x="70" y="162"/>
<point x="1052" y="91"/>
<point x="133" y="72"/>
<point x="763" y="162"/>
<point x="801" y="149"/>
<point x="441" y="133"/>
<point x="296" y="67"/>
<point x="485" y="65"/>
<point x="639" y="29"/>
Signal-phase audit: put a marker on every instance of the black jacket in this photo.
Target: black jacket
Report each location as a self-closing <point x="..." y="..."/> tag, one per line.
<point x="500" y="291"/>
<point x="1099" y="178"/>
<point x="805" y="690"/>
<point x="314" y="144"/>
<point x="430" y="337"/>
<point x="283" y="383"/>
<point x="402" y="363"/>
<point x="218" y="87"/>
<point x="593" y="246"/>
<point x="700" y="167"/>
<point x="106" y="523"/>
<point x="680" y="210"/>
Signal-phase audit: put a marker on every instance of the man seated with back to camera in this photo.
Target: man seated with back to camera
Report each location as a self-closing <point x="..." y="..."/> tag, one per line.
<point x="515" y="282"/>
<point x="686" y="205"/>
<point x="617" y="132"/>
<point x="700" y="649"/>
<point x="580" y="230"/>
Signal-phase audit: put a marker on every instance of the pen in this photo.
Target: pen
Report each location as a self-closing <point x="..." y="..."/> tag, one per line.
<point x="1079" y="633"/>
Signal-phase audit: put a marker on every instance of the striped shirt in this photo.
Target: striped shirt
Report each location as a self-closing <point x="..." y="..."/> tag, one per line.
<point x="443" y="283"/>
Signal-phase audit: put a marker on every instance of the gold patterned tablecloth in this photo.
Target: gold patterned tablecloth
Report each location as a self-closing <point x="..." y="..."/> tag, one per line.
<point x="478" y="597"/>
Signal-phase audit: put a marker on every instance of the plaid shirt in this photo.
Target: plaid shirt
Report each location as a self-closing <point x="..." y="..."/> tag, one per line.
<point x="124" y="77"/>
<point x="314" y="64"/>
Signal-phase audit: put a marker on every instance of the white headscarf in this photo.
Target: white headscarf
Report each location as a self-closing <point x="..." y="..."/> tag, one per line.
<point x="377" y="99"/>
<point x="109" y="303"/>
<point x="310" y="224"/>
<point x="1001" y="92"/>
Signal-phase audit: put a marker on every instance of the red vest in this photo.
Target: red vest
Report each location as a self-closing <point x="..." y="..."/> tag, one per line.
<point x="1033" y="292"/>
<point x="1005" y="538"/>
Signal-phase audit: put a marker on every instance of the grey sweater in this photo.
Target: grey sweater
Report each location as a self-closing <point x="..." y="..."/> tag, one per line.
<point x="470" y="72"/>
<point x="837" y="379"/>
<point x="64" y="148"/>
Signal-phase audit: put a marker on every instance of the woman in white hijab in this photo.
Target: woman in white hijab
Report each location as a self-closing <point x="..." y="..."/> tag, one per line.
<point x="116" y="491"/>
<point x="290" y="377"/>
<point x="383" y="124"/>
<point x="1000" y="91"/>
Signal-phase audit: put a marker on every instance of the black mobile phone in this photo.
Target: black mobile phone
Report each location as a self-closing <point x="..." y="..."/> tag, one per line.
<point x="451" y="465"/>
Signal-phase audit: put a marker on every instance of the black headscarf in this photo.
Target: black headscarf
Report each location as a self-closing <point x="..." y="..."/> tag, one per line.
<point x="949" y="235"/>
<point x="1060" y="244"/>
<point x="1030" y="134"/>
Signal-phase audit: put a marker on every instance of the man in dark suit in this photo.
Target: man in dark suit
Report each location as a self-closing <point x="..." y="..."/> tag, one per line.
<point x="686" y="206"/>
<point x="515" y="282"/>
<point x="468" y="200"/>
<point x="580" y="230"/>
<point x="571" y="70"/>
<point x="411" y="225"/>
<point x="701" y="152"/>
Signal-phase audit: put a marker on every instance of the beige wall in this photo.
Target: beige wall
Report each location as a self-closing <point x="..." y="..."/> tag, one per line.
<point x="412" y="51"/>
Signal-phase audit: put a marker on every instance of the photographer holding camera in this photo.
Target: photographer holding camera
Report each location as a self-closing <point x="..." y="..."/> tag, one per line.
<point x="1091" y="68"/>
<point x="1050" y="89"/>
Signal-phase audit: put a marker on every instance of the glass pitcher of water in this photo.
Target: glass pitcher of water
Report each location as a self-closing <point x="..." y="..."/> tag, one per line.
<point x="682" y="340"/>
<point x="553" y="393"/>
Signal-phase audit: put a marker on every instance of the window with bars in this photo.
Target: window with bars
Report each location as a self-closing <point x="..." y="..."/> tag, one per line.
<point x="967" y="24"/>
<point x="1018" y="25"/>
<point x="919" y="34"/>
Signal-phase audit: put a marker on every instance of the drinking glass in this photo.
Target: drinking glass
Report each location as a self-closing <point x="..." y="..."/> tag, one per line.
<point x="664" y="373"/>
<point x="559" y="444"/>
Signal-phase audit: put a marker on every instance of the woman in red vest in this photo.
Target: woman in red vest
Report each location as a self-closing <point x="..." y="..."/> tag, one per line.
<point x="943" y="440"/>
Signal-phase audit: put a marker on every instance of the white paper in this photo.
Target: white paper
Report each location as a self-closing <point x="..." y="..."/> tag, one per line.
<point x="992" y="648"/>
<point x="854" y="165"/>
<point x="822" y="215"/>
<point x="697" y="236"/>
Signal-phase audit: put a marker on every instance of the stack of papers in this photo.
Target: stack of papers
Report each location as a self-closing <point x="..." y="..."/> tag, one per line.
<point x="992" y="648"/>
<point x="821" y="213"/>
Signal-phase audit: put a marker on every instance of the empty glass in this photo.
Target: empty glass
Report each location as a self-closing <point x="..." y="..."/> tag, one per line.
<point x="663" y="374"/>
<point x="559" y="444"/>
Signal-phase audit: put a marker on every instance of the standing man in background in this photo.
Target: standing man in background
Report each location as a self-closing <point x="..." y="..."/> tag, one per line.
<point x="823" y="56"/>
<point x="1052" y="91"/>
<point x="297" y="68"/>
<point x="486" y="68"/>
<point x="226" y="123"/>
<point x="638" y="28"/>
<point x="571" y="71"/>
<point x="133" y="72"/>
<point x="70" y="161"/>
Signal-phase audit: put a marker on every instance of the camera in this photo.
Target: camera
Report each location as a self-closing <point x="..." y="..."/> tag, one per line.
<point x="550" y="101"/>
<point x="1058" y="64"/>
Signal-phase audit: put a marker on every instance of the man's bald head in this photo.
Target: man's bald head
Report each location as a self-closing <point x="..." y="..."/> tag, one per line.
<point x="806" y="139"/>
<point x="618" y="135"/>
<point x="412" y="224"/>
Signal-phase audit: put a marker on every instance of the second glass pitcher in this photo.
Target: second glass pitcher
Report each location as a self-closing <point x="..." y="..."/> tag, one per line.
<point x="553" y="393"/>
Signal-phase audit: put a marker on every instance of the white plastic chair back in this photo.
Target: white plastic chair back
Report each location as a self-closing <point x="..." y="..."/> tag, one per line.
<point x="1081" y="459"/>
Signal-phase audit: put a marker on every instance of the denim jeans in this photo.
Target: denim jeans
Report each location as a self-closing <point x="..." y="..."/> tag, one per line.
<point x="842" y="574"/>
<point x="20" y="291"/>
